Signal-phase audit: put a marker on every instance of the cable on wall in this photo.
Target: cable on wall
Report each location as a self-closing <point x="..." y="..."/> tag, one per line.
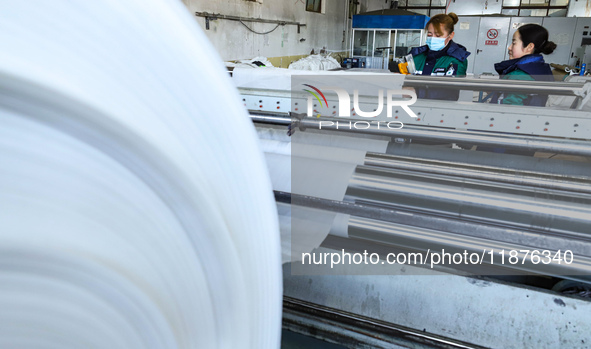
<point x="256" y="32"/>
<point x="212" y="17"/>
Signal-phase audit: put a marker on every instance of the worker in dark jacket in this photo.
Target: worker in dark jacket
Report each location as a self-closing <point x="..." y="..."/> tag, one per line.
<point x="440" y="56"/>
<point x="526" y="63"/>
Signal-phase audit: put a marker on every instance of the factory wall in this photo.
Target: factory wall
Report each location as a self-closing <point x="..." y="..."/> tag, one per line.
<point x="579" y="8"/>
<point x="328" y="30"/>
<point x="576" y="8"/>
<point x="373" y="5"/>
<point x="460" y="7"/>
<point x="471" y="7"/>
<point x="234" y="41"/>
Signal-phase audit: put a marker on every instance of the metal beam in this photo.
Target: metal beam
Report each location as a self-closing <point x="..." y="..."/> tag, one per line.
<point x="214" y="16"/>
<point x="554" y="88"/>
<point x="521" y="142"/>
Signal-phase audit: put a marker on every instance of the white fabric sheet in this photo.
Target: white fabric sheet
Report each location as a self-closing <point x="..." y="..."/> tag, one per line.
<point x="316" y="165"/>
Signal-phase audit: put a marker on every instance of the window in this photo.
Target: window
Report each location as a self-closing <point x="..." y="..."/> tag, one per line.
<point x="426" y="7"/>
<point x="314" y="6"/>
<point x="542" y="8"/>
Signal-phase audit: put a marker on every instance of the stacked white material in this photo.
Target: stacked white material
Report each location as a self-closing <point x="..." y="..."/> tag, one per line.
<point x="567" y="101"/>
<point x="250" y="63"/>
<point x="315" y="63"/>
<point x="130" y="215"/>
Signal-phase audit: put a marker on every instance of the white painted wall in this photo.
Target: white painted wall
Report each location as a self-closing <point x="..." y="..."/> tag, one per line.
<point x="472" y="7"/>
<point x="373" y="5"/>
<point x="234" y="41"/>
<point x="579" y="8"/>
<point x="460" y="7"/>
<point x="576" y="8"/>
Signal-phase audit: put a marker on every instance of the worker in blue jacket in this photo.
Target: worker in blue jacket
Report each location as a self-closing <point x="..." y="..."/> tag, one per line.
<point x="526" y="63"/>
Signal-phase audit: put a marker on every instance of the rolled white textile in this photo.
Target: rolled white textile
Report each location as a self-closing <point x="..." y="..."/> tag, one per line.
<point x="135" y="207"/>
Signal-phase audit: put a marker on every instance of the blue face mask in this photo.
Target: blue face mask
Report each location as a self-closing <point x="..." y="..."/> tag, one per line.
<point x="435" y="44"/>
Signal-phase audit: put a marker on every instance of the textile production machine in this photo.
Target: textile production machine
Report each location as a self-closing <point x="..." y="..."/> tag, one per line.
<point x="514" y="219"/>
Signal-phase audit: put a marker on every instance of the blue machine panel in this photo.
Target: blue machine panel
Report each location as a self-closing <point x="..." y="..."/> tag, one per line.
<point x="390" y="22"/>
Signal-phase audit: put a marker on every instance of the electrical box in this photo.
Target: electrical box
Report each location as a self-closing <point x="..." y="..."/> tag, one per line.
<point x="581" y="38"/>
<point x="561" y="30"/>
<point x="572" y="36"/>
<point x="491" y="43"/>
<point x="351" y="62"/>
<point x="464" y="35"/>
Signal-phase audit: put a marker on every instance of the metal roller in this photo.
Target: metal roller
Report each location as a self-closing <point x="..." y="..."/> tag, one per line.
<point x="496" y="174"/>
<point x="475" y="200"/>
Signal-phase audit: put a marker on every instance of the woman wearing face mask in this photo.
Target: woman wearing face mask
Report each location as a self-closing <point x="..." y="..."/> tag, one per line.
<point x="526" y="63"/>
<point x="440" y="56"/>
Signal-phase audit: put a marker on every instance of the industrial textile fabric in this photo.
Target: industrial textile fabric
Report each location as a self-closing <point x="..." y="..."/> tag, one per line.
<point x="290" y="160"/>
<point x="136" y="210"/>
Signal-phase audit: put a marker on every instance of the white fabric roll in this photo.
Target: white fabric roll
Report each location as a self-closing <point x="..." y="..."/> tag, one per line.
<point x="135" y="207"/>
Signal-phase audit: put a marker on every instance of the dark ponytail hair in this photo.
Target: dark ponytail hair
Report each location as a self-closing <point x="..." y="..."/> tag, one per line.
<point x="538" y="35"/>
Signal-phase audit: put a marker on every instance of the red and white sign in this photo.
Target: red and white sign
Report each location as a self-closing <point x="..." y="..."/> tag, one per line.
<point x="492" y="34"/>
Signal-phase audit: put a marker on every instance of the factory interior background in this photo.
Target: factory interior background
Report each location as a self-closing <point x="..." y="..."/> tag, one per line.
<point x="295" y="174"/>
